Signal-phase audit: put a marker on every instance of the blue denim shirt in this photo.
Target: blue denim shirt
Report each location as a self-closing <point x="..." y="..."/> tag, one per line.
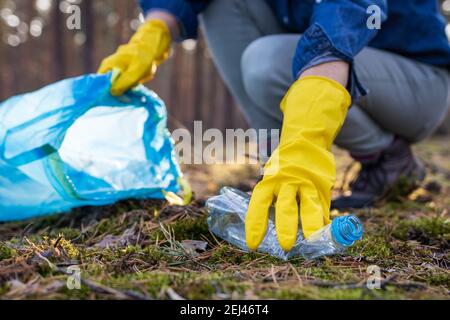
<point x="337" y="29"/>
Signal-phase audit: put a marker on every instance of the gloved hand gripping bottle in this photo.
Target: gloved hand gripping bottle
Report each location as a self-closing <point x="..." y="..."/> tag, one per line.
<point x="227" y="220"/>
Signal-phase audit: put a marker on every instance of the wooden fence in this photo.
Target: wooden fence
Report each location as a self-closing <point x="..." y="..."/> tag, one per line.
<point x="31" y="58"/>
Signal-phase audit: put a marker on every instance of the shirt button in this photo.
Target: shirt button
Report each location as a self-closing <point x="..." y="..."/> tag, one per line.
<point x="286" y="19"/>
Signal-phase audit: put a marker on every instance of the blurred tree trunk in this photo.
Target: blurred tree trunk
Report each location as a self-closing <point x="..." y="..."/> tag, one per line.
<point x="3" y="89"/>
<point x="58" y="27"/>
<point x="88" y="24"/>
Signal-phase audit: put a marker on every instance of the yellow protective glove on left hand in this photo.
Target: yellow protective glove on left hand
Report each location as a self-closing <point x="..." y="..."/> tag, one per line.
<point x="139" y="59"/>
<point x="302" y="166"/>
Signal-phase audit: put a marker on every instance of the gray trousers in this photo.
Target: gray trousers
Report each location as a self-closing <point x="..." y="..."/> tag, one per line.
<point x="253" y="53"/>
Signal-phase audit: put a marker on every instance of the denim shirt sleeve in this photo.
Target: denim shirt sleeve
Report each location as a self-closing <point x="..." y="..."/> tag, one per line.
<point x="185" y="11"/>
<point x="338" y="31"/>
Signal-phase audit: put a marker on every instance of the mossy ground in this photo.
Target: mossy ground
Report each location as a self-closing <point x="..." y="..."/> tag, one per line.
<point x="138" y="249"/>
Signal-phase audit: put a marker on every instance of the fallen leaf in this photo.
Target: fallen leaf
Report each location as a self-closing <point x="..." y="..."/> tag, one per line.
<point x="421" y="196"/>
<point x="110" y="241"/>
<point x="194" y="246"/>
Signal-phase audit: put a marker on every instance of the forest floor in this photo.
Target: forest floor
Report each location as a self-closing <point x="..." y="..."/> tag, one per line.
<point x="151" y="250"/>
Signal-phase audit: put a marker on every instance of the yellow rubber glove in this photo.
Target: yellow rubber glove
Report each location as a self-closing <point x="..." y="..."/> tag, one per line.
<point x="139" y="59"/>
<point x="302" y="167"/>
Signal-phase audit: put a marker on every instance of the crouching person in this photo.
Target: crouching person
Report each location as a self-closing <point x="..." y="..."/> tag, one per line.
<point x="318" y="72"/>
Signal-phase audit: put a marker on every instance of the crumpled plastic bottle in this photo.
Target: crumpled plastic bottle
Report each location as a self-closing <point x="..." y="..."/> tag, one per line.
<point x="227" y="220"/>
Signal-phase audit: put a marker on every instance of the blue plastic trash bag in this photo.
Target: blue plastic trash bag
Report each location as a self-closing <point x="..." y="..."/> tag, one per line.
<point x="72" y="144"/>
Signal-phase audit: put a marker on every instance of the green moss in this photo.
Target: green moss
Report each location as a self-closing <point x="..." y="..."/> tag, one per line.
<point x="6" y="252"/>
<point x="439" y="279"/>
<point x="153" y="282"/>
<point x="116" y="260"/>
<point x="190" y="229"/>
<point x="213" y="285"/>
<point x="76" y="294"/>
<point x="107" y="226"/>
<point x="45" y="270"/>
<point x="67" y="233"/>
<point x="314" y="293"/>
<point x="201" y="290"/>
<point x="371" y="246"/>
<point x="155" y="254"/>
<point x="190" y="285"/>
<point x="403" y="187"/>
<point x="5" y="287"/>
<point x="404" y="206"/>
<point x="230" y="255"/>
<point x="425" y="230"/>
<point x="218" y="254"/>
<point x="226" y="254"/>
<point x="326" y="270"/>
<point x="322" y="273"/>
<point x="318" y="293"/>
<point x="46" y="222"/>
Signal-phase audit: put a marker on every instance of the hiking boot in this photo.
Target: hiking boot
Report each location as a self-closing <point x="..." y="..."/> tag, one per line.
<point x="394" y="172"/>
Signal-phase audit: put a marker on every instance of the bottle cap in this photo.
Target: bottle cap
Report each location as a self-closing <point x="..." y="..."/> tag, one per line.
<point x="346" y="230"/>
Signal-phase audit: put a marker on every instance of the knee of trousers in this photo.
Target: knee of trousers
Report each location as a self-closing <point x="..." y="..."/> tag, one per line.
<point x="361" y="135"/>
<point x="260" y="73"/>
<point x="217" y="9"/>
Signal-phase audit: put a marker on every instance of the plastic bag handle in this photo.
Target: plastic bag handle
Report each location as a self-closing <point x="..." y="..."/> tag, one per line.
<point x="32" y="155"/>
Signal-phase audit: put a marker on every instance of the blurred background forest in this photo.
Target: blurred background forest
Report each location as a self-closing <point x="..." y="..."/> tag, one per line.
<point x="36" y="48"/>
